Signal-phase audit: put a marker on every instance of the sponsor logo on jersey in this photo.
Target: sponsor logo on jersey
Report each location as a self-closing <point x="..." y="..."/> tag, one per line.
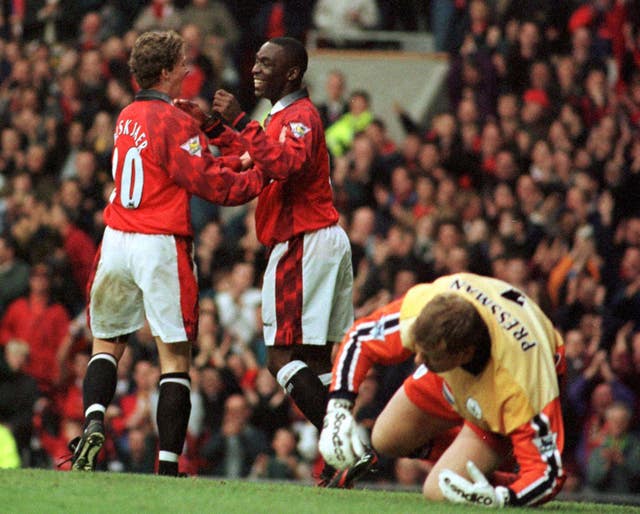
<point x="299" y="129"/>
<point x="193" y="146"/>
<point x="474" y="408"/>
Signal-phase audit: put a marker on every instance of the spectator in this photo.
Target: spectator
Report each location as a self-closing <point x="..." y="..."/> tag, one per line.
<point x="590" y="394"/>
<point x="472" y="75"/>
<point x="447" y="24"/>
<point x="140" y="457"/>
<point x="201" y="81"/>
<point x="14" y="273"/>
<point x="41" y="323"/>
<point x="215" y="388"/>
<point x="340" y="17"/>
<point x="341" y="133"/>
<point x="9" y="455"/>
<point x="528" y="48"/>
<point x="18" y="396"/>
<point x="158" y="15"/>
<point x="77" y="245"/>
<point x="269" y="405"/>
<point x="334" y="105"/>
<point x="236" y="304"/>
<point x="215" y="20"/>
<point x="614" y="465"/>
<point x="232" y="451"/>
<point x="135" y="410"/>
<point x="283" y="463"/>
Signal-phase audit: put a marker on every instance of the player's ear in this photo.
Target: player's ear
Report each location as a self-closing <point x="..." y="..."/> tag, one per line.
<point x="293" y="74"/>
<point x="164" y="74"/>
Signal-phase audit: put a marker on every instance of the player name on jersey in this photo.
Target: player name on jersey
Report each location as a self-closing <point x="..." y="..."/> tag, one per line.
<point x="507" y="320"/>
<point x="132" y="128"/>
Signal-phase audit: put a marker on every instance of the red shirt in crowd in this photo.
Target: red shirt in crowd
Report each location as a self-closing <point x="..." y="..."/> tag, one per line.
<point x="44" y="327"/>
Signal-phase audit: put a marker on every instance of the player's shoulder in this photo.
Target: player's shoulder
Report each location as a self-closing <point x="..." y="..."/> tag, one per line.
<point x="303" y="108"/>
<point x="175" y="123"/>
<point x="302" y="118"/>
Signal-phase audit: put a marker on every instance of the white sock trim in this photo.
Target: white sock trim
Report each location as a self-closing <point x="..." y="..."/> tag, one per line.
<point x="325" y="378"/>
<point x="182" y="381"/>
<point x="287" y="371"/>
<point x="95" y="407"/>
<point x="106" y="356"/>
<point x="168" y="456"/>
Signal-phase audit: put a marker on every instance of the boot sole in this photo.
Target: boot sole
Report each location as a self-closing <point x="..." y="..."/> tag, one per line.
<point x="86" y="461"/>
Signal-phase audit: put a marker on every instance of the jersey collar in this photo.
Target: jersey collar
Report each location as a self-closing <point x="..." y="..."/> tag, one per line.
<point x="287" y="100"/>
<point x="152" y="94"/>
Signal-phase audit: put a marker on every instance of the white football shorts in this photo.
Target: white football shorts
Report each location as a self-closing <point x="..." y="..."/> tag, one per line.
<point x="307" y="289"/>
<point x="144" y="275"/>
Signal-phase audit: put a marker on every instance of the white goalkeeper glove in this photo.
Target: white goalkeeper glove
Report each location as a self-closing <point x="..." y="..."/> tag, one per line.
<point x="479" y="491"/>
<point x="339" y="443"/>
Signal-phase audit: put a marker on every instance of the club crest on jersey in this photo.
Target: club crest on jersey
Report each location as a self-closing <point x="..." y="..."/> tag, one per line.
<point x="192" y="146"/>
<point x="299" y="129"/>
<point x="474" y="408"/>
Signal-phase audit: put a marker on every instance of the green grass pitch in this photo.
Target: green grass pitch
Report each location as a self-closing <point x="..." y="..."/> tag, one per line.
<point x="43" y="491"/>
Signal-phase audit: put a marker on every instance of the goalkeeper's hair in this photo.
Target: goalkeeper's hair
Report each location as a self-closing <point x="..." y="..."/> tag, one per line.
<point x="295" y="51"/>
<point x="450" y="318"/>
<point x="152" y="52"/>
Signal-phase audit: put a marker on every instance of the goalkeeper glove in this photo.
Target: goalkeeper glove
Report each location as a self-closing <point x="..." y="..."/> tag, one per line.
<point x="339" y="443"/>
<point x="479" y="491"/>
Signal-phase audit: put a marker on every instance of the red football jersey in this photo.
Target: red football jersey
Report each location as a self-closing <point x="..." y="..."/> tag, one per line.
<point x="161" y="158"/>
<point x="293" y="151"/>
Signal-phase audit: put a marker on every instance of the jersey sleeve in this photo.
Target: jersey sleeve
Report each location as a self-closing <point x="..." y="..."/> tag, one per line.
<point x="230" y="143"/>
<point x="537" y="447"/>
<point x="287" y="155"/>
<point x="200" y="173"/>
<point x="374" y="339"/>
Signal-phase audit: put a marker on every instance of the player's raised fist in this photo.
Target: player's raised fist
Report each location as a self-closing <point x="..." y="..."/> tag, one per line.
<point x="226" y="105"/>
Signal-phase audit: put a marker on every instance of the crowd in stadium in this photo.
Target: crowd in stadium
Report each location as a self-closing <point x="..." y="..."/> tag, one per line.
<point x="529" y="173"/>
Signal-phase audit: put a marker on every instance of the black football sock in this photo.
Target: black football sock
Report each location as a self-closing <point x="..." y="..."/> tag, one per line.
<point x="306" y="389"/>
<point x="174" y="408"/>
<point x="99" y="386"/>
